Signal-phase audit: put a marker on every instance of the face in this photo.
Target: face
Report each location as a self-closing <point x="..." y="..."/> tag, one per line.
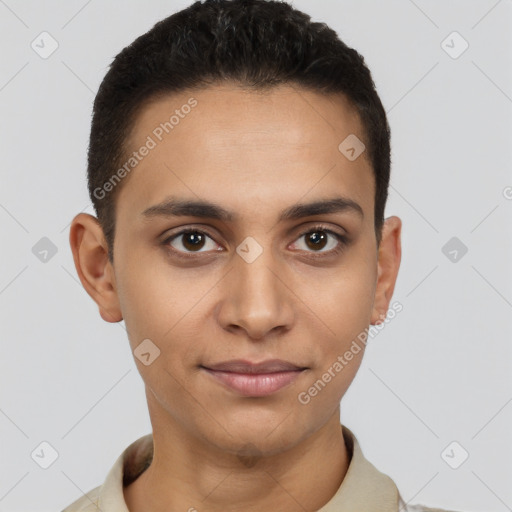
<point x="276" y="260"/>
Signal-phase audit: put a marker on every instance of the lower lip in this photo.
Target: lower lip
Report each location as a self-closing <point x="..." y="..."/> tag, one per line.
<point x="255" y="384"/>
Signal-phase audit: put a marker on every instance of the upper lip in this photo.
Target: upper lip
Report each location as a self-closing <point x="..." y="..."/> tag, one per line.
<point x="243" y="366"/>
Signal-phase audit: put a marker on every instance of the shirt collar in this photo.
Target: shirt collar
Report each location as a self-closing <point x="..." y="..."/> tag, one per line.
<point x="363" y="488"/>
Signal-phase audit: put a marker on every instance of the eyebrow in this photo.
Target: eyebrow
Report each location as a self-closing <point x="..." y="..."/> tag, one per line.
<point x="175" y="207"/>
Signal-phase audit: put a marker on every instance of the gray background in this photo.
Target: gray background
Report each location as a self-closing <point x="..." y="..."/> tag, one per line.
<point x="439" y="372"/>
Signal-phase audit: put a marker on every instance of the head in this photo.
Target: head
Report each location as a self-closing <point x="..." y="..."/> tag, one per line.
<point x="238" y="122"/>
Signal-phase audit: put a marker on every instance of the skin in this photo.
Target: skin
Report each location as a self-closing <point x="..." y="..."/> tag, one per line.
<point x="254" y="154"/>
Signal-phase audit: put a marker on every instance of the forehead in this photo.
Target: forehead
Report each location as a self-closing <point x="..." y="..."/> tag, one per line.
<point x="246" y="148"/>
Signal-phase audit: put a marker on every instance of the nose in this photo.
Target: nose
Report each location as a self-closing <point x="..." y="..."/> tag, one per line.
<point x="256" y="299"/>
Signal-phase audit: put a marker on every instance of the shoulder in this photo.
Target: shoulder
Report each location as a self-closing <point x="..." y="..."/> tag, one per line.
<point x="403" y="507"/>
<point x="87" y="503"/>
<point x="109" y="496"/>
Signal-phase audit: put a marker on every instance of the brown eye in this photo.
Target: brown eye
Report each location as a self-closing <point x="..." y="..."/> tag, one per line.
<point x="190" y="241"/>
<point x="320" y="240"/>
<point x="316" y="240"/>
<point x="193" y="240"/>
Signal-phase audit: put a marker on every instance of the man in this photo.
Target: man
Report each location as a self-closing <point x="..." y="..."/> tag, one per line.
<point x="238" y="163"/>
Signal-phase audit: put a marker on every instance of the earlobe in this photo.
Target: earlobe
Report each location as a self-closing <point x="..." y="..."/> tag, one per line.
<point x="90" y="254"/>
<point x="390" y="254"/>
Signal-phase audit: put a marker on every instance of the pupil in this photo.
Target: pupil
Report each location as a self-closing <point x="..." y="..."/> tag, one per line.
<point x="317" y="238"/>
<point x="193" y="240"/>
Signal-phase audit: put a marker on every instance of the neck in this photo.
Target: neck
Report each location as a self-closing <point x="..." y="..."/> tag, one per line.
<point x="189" y="474"/>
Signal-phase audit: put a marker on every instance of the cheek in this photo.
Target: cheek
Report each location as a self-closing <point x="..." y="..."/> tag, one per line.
<point x="347" y="313"/>
<point x="345" y="306"/>
<point x="149" y="303"/>
<point x="163" y="306"/>
<point x="345" y="301"/>
<point x="351" y="307"/>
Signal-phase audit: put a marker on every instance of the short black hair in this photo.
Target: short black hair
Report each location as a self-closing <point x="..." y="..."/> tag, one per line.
<point x="257" y="44"/>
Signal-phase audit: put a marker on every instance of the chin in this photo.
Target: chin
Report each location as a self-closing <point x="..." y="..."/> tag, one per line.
<point x="252" y="434"/>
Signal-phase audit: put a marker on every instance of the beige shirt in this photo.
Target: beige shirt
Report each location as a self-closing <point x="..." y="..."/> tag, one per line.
<point x="364" y="488"/>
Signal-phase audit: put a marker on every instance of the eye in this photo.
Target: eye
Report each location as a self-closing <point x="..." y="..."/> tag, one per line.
<point x="190" y="240"/>
<point x="318" y="238"/>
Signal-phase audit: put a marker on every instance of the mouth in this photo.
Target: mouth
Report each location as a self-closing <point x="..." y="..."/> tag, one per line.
<point x="255" y="379"/>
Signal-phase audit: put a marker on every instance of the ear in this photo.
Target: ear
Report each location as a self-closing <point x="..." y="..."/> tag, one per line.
<point x="90" y="253"/>
<point x="390" y="254"/>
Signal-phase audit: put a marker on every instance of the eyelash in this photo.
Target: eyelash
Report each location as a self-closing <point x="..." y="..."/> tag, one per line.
<point x="342" y="241"/>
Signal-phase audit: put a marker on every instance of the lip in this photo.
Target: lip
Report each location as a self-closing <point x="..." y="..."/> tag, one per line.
<point x="255" y="379"/>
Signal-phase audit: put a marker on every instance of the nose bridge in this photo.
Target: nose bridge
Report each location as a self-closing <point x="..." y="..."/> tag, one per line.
<point x="255" y="278"/>
<point x="256" y="300"/>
